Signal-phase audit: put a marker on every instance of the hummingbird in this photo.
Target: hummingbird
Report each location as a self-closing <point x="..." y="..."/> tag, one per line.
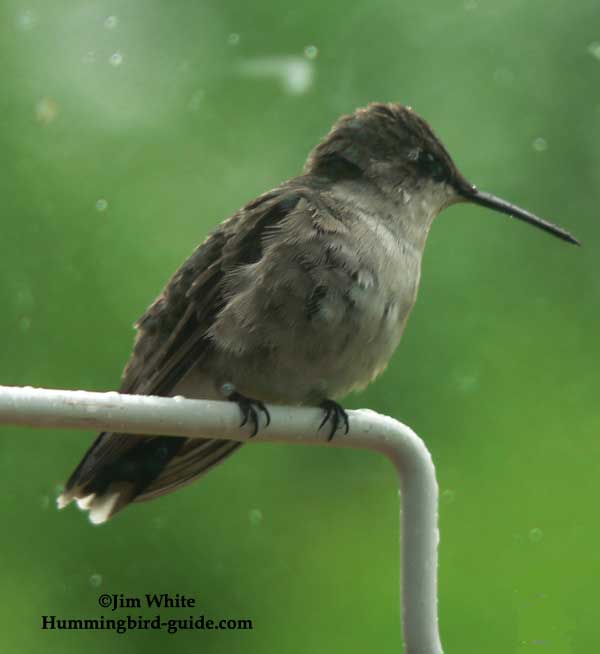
<point x="299" y="298"/>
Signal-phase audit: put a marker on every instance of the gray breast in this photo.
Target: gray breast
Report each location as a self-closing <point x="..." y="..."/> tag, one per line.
<point x="322" y="312"/>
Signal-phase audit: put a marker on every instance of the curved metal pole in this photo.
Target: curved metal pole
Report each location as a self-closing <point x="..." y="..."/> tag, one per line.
<point x="161" y="416"/>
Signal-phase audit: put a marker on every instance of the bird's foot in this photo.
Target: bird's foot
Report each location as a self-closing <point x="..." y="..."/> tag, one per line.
<point x="336" y="414"/>
<point x="248" y="407"/>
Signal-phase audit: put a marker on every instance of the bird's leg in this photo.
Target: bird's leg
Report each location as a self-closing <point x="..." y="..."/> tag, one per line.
<point x="249" y="407"/>
<point x="336" y="414"/>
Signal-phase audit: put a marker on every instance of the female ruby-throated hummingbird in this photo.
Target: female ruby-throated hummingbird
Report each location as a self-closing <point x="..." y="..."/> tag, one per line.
<point x="298" y="298"/>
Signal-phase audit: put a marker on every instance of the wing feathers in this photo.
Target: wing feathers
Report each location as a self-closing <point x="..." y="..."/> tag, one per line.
<point x="173" y="336"/>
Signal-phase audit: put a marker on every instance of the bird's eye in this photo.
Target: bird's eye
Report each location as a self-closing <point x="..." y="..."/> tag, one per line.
<point x="432" y="167"/>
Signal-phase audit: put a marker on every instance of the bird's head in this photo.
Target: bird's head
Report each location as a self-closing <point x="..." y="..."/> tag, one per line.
<point x="393" y="147"/>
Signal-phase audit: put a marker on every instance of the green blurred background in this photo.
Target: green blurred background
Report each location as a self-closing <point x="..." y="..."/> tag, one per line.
<point x="128" y="131"/>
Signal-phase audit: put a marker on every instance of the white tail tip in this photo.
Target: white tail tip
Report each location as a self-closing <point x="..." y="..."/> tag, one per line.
<point x="84" y="503"/>
<point x="101" y="508"/>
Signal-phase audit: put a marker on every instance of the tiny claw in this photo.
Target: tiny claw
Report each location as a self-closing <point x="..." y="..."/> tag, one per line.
<point x="264" y="409"/>
<point x="248" y="407"/>
<point x="336" y="414"/>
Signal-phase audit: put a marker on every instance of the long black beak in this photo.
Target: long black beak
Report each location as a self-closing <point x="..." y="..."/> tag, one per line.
<point x="472" y="194"/>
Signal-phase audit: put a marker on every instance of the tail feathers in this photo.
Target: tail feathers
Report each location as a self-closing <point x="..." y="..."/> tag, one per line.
<point x="101" y="506"/>
<point x="119" y="469"/>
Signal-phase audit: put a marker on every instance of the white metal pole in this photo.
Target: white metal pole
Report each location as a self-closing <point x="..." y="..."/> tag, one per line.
<point x="138" y="414"/>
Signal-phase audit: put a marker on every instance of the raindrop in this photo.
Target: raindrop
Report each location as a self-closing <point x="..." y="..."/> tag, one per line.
<point x="255" y="517"/>
<point x="535" y="535"/>
<point x="298" y="78"/>
<point x="466" y="381"/>
<point x="195" y="101"/>
<point x="594" y="49"/>
<point x="95" y="580"/>
<point x="233" y="39"/>
<point x="159" y="521"/>
<point x="311" y="51"/>
<point x="471" y="5"/>
<point x="448" y="496"/>
<point x="44" y="501"/>
<point x="46" y="111"/>
<point x="111" y="22"/>
<point x="27" y="20"/>
<point x="503" y="76"/>
<point x="178" y="398"/>
<point x="25" y="300"/>
<point x="101" y="205"/>
<point x="116" y="59"/>
<point x="295" y="73"/>
<point x="89" y="57"/>
<point x="227" y="389"/>
<point x="24" y="324"/>
<point x="540" y="144"/>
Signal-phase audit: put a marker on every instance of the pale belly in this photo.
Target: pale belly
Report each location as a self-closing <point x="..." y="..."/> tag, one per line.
<point x="298" y="333"/>
<point x="341" y="349"/>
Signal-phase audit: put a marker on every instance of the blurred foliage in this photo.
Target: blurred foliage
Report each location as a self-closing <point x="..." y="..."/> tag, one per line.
<point x="128" y="131"/>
